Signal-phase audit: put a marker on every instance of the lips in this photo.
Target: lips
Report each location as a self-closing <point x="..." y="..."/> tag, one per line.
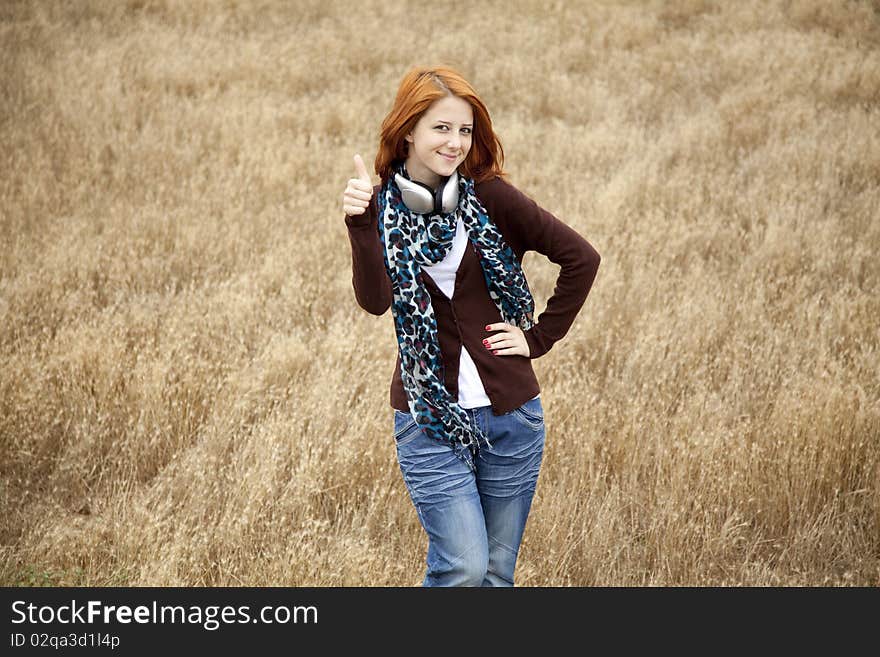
<point x="450" y="158"/>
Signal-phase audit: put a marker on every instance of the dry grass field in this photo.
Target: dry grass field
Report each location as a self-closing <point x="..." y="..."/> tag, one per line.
<point x="190" y="395"/>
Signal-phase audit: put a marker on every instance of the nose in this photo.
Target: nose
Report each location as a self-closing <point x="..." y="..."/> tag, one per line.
<point x="454" y="141"/>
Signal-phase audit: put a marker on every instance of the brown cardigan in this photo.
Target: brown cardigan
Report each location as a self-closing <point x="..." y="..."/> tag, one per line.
<point x="509" y="380"/>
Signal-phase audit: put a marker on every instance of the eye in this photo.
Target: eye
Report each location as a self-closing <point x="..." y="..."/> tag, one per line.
<point x="441" y="127"/>
<point x="466" y="131"/>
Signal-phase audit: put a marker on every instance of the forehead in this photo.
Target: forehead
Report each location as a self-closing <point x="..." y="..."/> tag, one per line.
<point x="450" y="108"/>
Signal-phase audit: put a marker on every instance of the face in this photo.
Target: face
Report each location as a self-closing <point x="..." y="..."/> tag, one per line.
<point x="440" y="140"/>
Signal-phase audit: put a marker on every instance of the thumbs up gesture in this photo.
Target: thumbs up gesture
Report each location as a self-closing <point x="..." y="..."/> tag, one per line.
<point x="358" y="191"/>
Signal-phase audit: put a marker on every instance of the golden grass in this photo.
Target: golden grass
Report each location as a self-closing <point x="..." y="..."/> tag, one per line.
<point x="189" y="394"/>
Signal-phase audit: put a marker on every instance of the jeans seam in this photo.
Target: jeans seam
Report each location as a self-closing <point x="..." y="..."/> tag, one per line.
<point x="460" y="557"/>
<point x="412" y="435"/>
<point x="494" y="540"/>
<point x="404" y="429"/>
<point x="413" y="489"/>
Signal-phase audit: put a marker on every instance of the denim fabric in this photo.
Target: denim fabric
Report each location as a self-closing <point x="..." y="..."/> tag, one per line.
<point x="474" y="516"/>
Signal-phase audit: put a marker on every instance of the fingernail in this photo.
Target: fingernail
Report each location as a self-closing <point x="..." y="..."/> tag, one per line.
<point x="488" y="329"/>
<point x="495" y="352"/>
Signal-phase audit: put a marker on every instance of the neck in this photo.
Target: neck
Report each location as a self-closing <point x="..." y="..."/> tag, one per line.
<point x="422" y="174"/>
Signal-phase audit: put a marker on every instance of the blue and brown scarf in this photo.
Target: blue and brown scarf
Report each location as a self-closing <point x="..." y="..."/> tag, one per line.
<point x="410" y="241"/>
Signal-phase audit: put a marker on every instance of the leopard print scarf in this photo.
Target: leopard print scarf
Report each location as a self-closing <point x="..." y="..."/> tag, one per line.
<point x="411" y="240"/>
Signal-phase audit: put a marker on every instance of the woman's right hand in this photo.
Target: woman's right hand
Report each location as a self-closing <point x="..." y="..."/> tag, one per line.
<point x="359" y="190"/>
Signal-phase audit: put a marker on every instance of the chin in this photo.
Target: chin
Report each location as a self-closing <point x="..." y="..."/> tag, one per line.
<point x="446" y="169"/>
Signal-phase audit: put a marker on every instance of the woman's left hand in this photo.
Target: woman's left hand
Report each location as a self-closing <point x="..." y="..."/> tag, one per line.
<point x="510" y="341"/>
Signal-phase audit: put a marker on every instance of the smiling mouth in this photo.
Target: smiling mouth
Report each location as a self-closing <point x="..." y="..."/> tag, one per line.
<point x="448" y="157"/>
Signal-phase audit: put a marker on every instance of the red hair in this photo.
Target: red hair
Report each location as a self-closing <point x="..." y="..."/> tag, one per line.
<point x="418" y="89"/>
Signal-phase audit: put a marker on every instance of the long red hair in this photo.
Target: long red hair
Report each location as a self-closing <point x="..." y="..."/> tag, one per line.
<point x="420" y="87"/>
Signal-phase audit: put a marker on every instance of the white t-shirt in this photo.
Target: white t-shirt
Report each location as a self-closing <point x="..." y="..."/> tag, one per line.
<point x="471" y="393"/>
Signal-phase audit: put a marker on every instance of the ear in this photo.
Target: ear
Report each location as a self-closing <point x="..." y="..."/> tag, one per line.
<point x="408" y="137"/>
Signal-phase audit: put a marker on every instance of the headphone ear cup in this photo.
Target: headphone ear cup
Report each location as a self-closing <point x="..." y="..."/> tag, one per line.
<point x="416" y="196"/>
<point x="448" y="198"/>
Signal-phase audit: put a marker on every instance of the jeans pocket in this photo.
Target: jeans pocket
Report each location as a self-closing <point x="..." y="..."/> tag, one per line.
<point x="530" y="414"/>
<point x="405" y="428"/>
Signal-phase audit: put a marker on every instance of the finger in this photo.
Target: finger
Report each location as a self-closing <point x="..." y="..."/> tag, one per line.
<point x="501" y="344"/>
<point x="497" y="338"/>
<point x="363" y="185"/>
<point x="355" y="202"/>
<point x="359" y="194"/>
<point x="512" y="351"/>
<point x="504" y="331"/>
<point x="353" y="211"/>
<point x="361" y="169"/>
<point x="498" y="326"/>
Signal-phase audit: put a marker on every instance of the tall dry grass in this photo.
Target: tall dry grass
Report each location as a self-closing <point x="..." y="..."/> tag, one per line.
<point x="189" y="394"/>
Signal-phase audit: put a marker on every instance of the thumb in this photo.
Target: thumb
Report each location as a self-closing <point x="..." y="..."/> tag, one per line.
<point x="362" y="172"/>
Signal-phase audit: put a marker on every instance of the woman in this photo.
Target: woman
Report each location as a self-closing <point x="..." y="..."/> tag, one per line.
<point x="440" y="242"/>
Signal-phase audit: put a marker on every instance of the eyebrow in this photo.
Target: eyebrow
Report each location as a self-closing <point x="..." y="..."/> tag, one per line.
<point x="467" y="125"/>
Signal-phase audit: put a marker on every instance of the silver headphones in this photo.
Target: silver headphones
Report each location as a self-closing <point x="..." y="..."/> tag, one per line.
<point x="421" y="199"/>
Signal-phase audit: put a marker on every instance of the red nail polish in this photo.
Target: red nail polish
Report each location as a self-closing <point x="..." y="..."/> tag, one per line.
<point x="488" y="329"/>
<point x="495" y="352"/>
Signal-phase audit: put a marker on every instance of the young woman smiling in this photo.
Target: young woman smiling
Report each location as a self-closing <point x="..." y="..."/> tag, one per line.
<point x="440" y="241"/>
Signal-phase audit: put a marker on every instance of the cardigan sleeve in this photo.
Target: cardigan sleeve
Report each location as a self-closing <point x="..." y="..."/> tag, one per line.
<point x="372" y="287"/>
<point x="530" y="227"/>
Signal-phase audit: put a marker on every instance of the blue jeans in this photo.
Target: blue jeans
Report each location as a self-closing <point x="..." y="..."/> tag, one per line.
<point x="474" y="517"/>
